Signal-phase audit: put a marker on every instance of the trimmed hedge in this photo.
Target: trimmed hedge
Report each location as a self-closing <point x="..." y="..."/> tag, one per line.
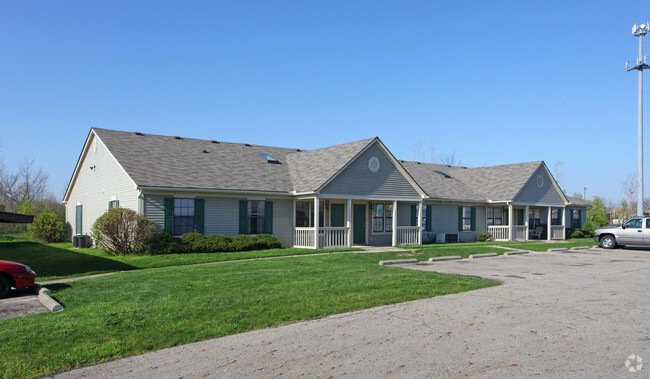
<point x="165" y="243"/>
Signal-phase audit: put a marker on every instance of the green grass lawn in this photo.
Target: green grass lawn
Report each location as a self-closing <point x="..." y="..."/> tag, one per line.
<point x="60" y="260"/>
<point x="134" y="312"/>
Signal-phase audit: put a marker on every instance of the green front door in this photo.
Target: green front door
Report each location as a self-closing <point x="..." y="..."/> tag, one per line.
<point x="520" y="217"/>
<point x="337" y="215"/>
<point x="359" y="224"/>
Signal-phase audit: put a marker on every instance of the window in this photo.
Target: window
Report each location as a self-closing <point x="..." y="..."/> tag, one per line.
<point x="635" y="223"/>
<point x="495" y="216"/>
<point x="555" y="216"/>
<point x="113" y="204"/>
<point x="305" y="214"/>
<point x="382" y="218"/>
<point x="425" y="218"/>
<point x="534" y="219"/>
<point x="255" y="218"/>
<point x="467" y="219"/>
<point x="183" y="216"/>
<point x="575" y="218"/>
<point x="269" y="158"/>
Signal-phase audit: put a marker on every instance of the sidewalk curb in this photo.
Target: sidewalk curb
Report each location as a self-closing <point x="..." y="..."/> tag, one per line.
<point x="46" y="300"/>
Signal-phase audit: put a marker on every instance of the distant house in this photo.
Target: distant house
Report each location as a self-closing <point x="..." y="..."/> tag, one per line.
<point x="355" y="193"/>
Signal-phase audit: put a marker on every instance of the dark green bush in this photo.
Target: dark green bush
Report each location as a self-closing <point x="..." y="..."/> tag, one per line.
<point x="164" y="243"/>
<point x="48" y="227"/>
<point x="217" y="242"/>
<point x="481" y="237"/>
<point x="122" y="231"/>
<point x="577" y="234"/>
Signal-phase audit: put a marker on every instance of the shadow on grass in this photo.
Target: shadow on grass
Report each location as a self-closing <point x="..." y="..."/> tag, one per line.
<point x="51" y="261"/>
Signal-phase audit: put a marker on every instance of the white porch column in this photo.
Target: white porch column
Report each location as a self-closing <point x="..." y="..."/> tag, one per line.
<point x="526" y="222"/>
<point x="563" y="210"/>
<point x="420" y="206"/>
<point x="316" y="221"/>
<point x="395" y="223"/>
<point x="548" y="225"/>
<point x="348" y="224"/>
<point x="293" y="225"/>
<point x="511" y="222"/>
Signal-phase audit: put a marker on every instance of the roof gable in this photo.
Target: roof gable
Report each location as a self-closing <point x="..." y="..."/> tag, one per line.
<point x="373" y="173"/>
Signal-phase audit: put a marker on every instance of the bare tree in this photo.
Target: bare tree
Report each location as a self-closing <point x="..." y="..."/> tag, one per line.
<point x="628" y="188"/>
<point x="26" y="184"/>
<point x="558" y="171"/>
<point x="418" y="155"/>
<point x="451" y="159"/>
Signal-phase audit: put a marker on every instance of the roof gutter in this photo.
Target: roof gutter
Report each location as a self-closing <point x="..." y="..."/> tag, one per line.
<point x="183" y="189"/>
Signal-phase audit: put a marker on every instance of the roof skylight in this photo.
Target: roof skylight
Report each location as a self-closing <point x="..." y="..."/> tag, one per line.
<point x="269" y="158"/>
<point x="443" y="174"/>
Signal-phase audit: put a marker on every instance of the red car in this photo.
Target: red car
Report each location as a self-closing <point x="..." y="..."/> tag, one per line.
<point x="15" y="275"/>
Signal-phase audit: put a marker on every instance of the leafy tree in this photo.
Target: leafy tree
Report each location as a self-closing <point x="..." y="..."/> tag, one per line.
<point x="122" y="231"/>
<point x="597" y="214"/>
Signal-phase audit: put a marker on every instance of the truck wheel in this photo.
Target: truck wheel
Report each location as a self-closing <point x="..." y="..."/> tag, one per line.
<point x="607" y="242"/>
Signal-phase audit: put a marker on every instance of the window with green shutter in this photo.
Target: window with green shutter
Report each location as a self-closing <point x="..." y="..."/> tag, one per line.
<point x="466" y="219"/>
<point x="255" y="217"/>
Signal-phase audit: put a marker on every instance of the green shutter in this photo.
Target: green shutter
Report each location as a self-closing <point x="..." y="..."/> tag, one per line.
<point x="199" y="216"/>
<point x="506" y="212"/>
<point x="268" y="217"/>
<point x="414" y="215"/>
<point x="460" y="219"/>
<point x="243" y="214"/>
<point x="473" y="227"/>
<point x="429" y="220"/>
<point x="169" y="215"/>
<point x="78" y="228"/>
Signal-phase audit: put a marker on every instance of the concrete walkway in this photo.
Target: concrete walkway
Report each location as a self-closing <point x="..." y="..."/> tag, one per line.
<point x="579" y="314"/>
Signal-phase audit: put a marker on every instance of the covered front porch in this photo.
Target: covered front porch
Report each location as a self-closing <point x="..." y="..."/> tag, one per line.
<point x="525" y="222"/>
<point x="343" y="223"/>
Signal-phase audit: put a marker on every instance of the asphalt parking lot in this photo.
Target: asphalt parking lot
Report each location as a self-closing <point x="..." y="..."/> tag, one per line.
<point x="20" y="303"/>
<point x="578" y="314"/>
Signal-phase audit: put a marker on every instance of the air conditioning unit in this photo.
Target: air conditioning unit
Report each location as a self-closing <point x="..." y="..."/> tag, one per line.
<point x="446" y="238"/>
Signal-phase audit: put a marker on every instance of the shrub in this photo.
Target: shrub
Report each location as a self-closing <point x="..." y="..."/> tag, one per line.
<point x="268" y="241"/>
<point x="577" y="234"/>
<point x="164" y="243"/>
<point x="122" y="231"/>
<point x="195" y="243"/>
<point x="217" y="242"/>
<point x="48" y="227"/>
<point x="588" y="229"/>
<point x="484" y="237"/>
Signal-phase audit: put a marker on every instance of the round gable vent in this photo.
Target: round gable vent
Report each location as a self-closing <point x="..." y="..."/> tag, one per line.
<point x="540" y="181"/>
<point x="373" y="164"/>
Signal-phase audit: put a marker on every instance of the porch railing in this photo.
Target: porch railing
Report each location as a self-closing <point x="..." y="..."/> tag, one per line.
<point x="521" y="232"/>
<point x="408" y="235"/>
<point x="304" y="237"/>
<point x="499" y="232"/>
<point x="327" y="237"/>
<point x="557" y="232"/>
<point x="332" y="237"/>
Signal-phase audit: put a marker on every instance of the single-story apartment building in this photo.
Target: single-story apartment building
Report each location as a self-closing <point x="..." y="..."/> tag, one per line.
<point x="356" y="193"/>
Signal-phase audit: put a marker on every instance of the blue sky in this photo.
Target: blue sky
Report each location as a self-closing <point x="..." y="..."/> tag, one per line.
<point x="493" y="82"/>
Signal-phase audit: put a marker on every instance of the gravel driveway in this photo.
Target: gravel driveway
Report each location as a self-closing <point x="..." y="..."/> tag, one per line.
<point x="578" y="314"/>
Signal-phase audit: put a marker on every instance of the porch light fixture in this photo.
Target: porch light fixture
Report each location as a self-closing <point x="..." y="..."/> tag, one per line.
<point x="640" y="64"/>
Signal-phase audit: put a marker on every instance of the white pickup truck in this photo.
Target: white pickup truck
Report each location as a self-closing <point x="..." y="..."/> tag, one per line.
<point x="635" y="231"/>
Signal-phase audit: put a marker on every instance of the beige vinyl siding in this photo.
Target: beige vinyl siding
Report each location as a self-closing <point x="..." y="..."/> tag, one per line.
<point x="357" y="179"/>
<point x="94" y="188"/>
<point x="154" y="209"/>
<point x="533" y="194"/>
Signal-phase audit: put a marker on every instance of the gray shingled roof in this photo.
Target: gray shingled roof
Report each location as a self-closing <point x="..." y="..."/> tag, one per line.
<point x="311" y="169"/>
<point x="169" y="162"/>
<point x="496" y="183"/>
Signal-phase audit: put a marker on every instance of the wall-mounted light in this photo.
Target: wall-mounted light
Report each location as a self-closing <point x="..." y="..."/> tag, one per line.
<point x="93" y="167"/>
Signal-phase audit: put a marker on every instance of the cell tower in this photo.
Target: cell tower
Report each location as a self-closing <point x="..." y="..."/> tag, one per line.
<point x="640" y="64"/>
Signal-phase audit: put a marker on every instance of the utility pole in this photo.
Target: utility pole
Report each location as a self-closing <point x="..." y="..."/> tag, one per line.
<point x="639" y="65"/>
